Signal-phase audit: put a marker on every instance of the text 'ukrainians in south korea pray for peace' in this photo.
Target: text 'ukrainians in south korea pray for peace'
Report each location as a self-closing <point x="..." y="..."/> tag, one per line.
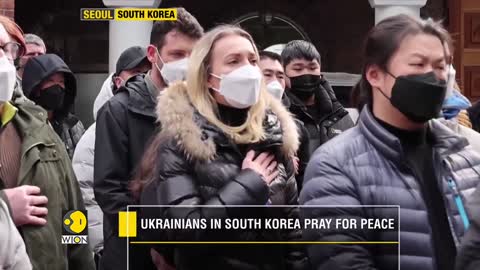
<point x="269" y="224"/>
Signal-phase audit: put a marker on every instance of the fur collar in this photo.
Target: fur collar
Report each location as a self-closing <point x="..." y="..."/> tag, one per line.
<point x="177" y="117"/>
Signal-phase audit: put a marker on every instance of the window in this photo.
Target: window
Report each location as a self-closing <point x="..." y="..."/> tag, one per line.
<point x="268" y="29"/>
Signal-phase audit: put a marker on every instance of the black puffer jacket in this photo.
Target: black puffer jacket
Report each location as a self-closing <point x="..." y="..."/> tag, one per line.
<point x="303" y="153"/>
<point x="366" y="166"/>
<point x="68" y="126"/>
<point x="469" y="256"/>
<point x="330" y="125"/>
<point x="199" y="165"/>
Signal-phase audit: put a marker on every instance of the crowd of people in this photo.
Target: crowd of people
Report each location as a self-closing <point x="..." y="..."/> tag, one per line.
<point x="203" y="118"/>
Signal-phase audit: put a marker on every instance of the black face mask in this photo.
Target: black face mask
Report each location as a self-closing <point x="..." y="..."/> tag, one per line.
<point x="51" y="98"/>
<point x="419" y="96"/>
<point x="304" y="86"/>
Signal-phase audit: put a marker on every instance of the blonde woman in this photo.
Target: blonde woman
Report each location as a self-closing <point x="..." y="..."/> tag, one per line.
<point x="224" y="141"/>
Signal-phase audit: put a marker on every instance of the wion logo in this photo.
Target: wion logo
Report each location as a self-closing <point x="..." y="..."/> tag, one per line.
<point x="75" y="229"/>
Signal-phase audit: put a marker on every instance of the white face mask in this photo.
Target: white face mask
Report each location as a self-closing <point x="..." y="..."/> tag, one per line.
<point x="173" y="71"/>
<point x="275" y="89"/>
<point x="7" y="79"/>
<point x="241" y="87"/>
<point x="450" y="80"/>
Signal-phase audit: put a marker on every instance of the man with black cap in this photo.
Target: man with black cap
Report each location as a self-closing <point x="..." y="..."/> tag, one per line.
<point x="132" y="61"/>
<point x="125" y="126"/>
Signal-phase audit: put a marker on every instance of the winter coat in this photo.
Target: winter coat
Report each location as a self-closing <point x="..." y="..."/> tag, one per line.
<point x="124" y="127"/>
<point x="82" y="163"/>
<point x="471" y="135"/>
<point x="203" y="166"/>
<point x="366" y="166"/>
<point x="18" y="96"/>
<point x="106" y="93"/>
<point x="469" y="256"/>
<point x="303" y="153"/>
<point x="13" y="255"/>
<point x="330" y="125"/>
<point x="46" y="164"/>
<point x="68" y="126"/>
<point x="70" y="130"/>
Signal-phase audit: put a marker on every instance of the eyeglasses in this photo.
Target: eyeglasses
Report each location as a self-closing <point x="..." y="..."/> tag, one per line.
<point x="13" y="50"/>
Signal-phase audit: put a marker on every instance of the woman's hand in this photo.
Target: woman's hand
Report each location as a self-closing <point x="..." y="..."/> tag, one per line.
<point x="264" y="164"/>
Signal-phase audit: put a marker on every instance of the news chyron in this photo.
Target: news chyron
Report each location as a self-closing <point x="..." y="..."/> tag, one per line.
<point x="128" y="14"/>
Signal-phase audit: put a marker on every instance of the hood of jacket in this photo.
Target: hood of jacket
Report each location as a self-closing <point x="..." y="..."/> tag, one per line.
<point x="40" y="68"/>
<point x="199" y="138"/>
<point x="140" y="99"/>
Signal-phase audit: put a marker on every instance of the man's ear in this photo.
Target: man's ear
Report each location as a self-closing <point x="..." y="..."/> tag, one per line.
<point x="287" y="82"/>
<point x="374" y="76"/>
<point x="152" y="54"/>
<point x="117" y="82"/>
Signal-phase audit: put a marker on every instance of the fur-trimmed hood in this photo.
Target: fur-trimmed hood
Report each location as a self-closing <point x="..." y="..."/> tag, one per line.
<point x="179" y="119"/>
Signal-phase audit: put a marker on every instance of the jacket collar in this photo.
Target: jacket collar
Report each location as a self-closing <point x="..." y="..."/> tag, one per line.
<point x="199" y="138"/>
<point x="8" y="113"/>
<point x="445" y="141"/>
<point x="296" y="105"/>
<point x="31" y="122"/>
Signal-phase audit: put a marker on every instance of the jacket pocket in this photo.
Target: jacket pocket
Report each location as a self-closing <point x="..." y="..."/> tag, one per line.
<point x="48" y="153"/>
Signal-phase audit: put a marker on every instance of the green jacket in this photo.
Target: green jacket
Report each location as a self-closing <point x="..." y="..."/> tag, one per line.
<point x="45" y="163"/>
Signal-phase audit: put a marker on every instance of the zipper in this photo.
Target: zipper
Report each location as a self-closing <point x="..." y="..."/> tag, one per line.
<point x="459" y="203"/>
<point x="446" y="205"/>
<point x="419" y="199"/>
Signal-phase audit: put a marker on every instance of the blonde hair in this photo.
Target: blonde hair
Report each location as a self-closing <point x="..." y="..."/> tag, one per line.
<point x="197" y="77"/>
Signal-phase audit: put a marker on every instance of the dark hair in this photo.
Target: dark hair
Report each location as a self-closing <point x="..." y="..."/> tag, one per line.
<point x="186" y="24"/>
<point x="383" y="41"/>
<point x="299" y="49"/>
<point x="270" y="55"/>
